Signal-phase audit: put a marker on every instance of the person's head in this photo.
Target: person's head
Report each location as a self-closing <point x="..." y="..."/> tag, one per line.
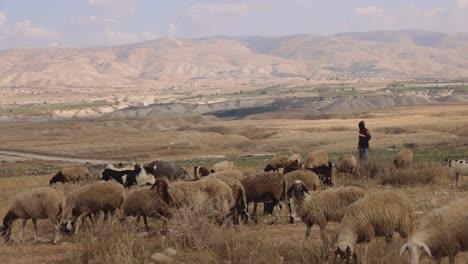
<point x="362" y="125"/>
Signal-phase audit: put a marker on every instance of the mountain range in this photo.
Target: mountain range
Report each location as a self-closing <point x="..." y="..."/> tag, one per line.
<point x="406" y="54"/>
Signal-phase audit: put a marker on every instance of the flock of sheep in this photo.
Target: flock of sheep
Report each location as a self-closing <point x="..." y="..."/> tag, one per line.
<point x="161" y="188"/>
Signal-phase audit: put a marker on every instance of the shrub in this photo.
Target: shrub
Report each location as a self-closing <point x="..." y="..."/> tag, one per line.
<point x="421" y="173"/>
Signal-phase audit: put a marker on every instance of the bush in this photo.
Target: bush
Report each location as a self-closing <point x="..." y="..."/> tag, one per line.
<point x="422" y="173"/>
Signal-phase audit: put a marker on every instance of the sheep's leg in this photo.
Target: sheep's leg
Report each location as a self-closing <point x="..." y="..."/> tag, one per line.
<point x="366" y="250"/>
<point x="35" y="229"/>
<point x="56" y="224"/>
<point x="78" y="221"/>
<point x="308" y="230"/>
<point x="254" y="213"/>
<point x="23" y="224"/>
<point x="275" y="219"/>
<point x="451" y="259"/>
<point x="291" y="218"/>
<point x="146" y="222"/>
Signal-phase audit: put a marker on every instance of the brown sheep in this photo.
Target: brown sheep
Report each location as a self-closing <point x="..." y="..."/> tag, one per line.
<point x="346" y="164"/>
<point x="275" y="163"/>
<point x="316" y="159"/>
<point x="403" y="159"/>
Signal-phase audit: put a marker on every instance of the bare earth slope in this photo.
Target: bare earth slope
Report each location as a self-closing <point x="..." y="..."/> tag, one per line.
<point x="389" y="54"/>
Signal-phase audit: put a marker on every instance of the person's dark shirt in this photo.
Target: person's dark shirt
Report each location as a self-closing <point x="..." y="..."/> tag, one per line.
<point x="364" y="137"/>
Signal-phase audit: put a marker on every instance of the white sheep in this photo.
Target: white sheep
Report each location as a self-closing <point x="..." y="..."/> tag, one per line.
<point x="346" y="164"/>
<point x="457" y="168"/>
<point x="378" y="214"/>
<point x="222" y="166"/>
<point x="39" y="203"/>
<point x="90" y="199"/>
<point x="321" y="207"/>
<point x="444" y="232"/>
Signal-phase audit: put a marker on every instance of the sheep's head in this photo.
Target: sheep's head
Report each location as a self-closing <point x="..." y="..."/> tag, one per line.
<point x="5" y="231"/>
<point x="291" y="166"/>
<point x="298" y="188"/>
<point x="200" y="171"/>
<point x="161" y="186"/>
<point x="414" y="249"/>
<point x="344" y="253"/>
<point x="268" y="167"/>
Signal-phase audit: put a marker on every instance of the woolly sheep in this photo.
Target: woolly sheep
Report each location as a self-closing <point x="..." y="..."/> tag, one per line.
<point x="295" y="157"/>
<point x="222" y="166"/>
<point x="308" y="178"/>
<point x="275" y="163"/>
<point x="457" y="168"/>
<point x="183" y="193"/>
<point x="346" y="164"/>
<point x="322" y="207"/>
<point x="291" y="166"/>
<point x="170" y="170"/>
<point x="444" y="232"/>
<point x="378" y="214"/>
<point x="39" y="203"/>
<point x="403" y="159"/>
<point x="232" y="179"/>
<point x="316" y="158"/>
<point x="264" y="187"/>
<point x="70" y="174"/>
<point x="92" y="198"/>
<point x="144" y="202"/>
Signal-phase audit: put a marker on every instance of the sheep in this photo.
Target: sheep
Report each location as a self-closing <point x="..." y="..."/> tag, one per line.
<point x="90" y="199"/>
<point x="322" y="207"/>
<point x="316" y="158"/>
<point x="233" y="179"/>
<point x="378" y="214"/>
<point x="70" y="174"/>
<point x="127" y="178"/>
<point x="325" y="173"/>
<point x="264" y="187"/>
<point x="346" y="164"/>
<point x="184" y="193"/>
<point x="144" y="202"/>
<point x="457" y="168"/>
<point x="222" y="166"/>
<point x="444" y="232"/>
<point x="295" y="157"/>
<point x="170" y="170"/>
<point x="275" y="163"/>
<point x="309" y="178"/>
<point x="39" y="203"/>
<point x="403" y="159"/>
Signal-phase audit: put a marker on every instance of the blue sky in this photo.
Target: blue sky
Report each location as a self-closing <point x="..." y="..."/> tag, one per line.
<point x="81" y="23"/>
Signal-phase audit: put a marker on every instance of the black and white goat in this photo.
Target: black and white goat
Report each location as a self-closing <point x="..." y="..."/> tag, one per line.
<point x="127" y="178"/>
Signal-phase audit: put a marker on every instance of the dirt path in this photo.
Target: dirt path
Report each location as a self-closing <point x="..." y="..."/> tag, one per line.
<point x="52" y="157"/>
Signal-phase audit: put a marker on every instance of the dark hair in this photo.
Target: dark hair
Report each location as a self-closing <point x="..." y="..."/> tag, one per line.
<point x="362" y="124"/>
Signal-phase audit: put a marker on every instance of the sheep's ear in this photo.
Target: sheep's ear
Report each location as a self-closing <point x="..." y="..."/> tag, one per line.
<point x="403" y="249"/>
<point x="426" y="248"/>
<point x="291" y="188"/>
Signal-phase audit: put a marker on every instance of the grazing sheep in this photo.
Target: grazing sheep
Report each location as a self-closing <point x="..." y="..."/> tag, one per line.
<point x="322" y="207"/>
<point x="170" y="170"/>
<point x="316" y="158"/>
<point x="403" y="159"/>
<point x="377" y="214"/>
<point x="325" y="173"/>
<point x="296" y="157"/>
<point x="346" y="164"/>
<point x="144" y="202"/>
<point x="39" y="203"/>
<point x="232" y="178"/>
<point x="70" y="174"/>
<point x="275" y="163"/>
<point x="90" y="199"/>
<point x="444" y="232"/>
<point x="200" y="171"/>
<point x="127" y="178"/>
<point x="457" y="168"/>
<point x="264" y="187"/>
<point x="291" y="165"/>
<point x="310" y="180"/>
<point x="183" y="193"/>
<point x="222" y="166"/>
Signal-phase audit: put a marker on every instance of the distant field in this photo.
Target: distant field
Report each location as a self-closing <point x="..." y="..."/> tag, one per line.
<point x="47" y="107"/>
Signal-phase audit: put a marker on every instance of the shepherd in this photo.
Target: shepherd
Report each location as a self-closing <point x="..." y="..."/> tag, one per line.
<point x="363" y="143"/>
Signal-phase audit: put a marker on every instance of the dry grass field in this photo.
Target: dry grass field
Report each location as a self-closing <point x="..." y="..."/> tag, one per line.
<point x="433" y="133"/>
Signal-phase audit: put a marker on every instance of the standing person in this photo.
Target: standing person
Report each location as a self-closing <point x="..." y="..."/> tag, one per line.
<point x="363" y="143"/>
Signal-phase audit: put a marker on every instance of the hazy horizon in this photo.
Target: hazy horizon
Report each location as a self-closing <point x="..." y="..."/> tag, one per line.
<point x="88" y="23"/>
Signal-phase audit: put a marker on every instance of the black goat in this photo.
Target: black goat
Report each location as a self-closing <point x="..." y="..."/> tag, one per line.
<point x="325" y="173"/>
<point x="126" y="177"/>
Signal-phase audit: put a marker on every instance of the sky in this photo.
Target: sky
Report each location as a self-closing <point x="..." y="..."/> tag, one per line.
<point x="84" y="23"/>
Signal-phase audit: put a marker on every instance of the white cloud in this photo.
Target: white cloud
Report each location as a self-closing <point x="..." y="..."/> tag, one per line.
<point x="172" y="29"/>
<point x="368" y="11"/>
<point x="2" y="20"/>
<point x="25" y="29"/>
<point x="120" y="7"/>
<point x="462" y="4"/>
<point x="113" y="37"/>
<point x="93" y="21"/>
